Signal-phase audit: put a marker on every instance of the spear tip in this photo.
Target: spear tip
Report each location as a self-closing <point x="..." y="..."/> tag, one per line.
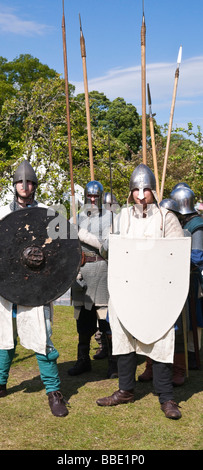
<point x="179" y="56"/>
<point x="80" y="22"/>
<point x="149" y="95"/>
<point x="143" y="16"/>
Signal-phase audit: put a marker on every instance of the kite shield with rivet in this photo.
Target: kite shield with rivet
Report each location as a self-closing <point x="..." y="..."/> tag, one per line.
<point x="38" y="260"/>
<point x="148" y="282"/>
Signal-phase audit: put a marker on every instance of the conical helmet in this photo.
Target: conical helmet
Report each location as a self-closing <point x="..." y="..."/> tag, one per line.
<point x="25" y="173"/>
<point x="142" y="177"/>
<point x="107" y="199"/>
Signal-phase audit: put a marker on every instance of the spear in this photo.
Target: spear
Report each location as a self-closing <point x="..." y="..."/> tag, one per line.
<point x="83" y="55"/>
<point x="151" y="123"/>
<point x="171" y="121"/>
<point x="143" y="86"/>
<point x="111" y="185"/>
<point x="68" y="114"/>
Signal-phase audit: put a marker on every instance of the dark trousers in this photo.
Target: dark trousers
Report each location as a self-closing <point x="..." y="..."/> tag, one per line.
<point x="87" y="322"/>
<point x="162" y="382"/>
<point x="86" y="328"/>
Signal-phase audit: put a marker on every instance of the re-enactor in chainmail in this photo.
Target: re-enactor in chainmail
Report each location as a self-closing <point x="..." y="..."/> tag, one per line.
<point x="193" y="223"/>
<point x="89" y="292"/>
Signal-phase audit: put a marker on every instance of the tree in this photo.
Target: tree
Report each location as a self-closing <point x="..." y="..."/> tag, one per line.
<point x="33" y="125"/>
<point x="118" y="118"/>
<point x="124" y="123"/>
<point x="20" y="73"/>
<point x="185" y="160"/>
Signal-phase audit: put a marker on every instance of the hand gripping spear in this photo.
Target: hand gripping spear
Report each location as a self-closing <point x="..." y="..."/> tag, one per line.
<point x="143" y="80"/>
<point x="151" y="123"/>
<point x="171" y="121"/>
<point x="83" y="55"/>
<point x="68" y="115"/>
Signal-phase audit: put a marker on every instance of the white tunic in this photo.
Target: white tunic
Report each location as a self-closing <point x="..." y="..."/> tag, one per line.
<point x="31" y="323"/>
<point x="130" y="223"/>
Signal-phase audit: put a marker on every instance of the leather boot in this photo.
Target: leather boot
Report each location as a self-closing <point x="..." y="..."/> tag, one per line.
<point x="83" y="364"/>
<point x="3" y="391"/>
<point x="119" y="397"/>
<point x="57" y="404"/>
<point x="179" y="369"/>
<point x="102" y="352"/>
<point x="148" y="373"/>
<point x="170" y="408"/>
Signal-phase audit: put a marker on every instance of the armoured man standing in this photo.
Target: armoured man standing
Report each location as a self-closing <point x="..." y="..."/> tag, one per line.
<point x="144" y="220"/>
<point x="31" y="324"/>
<point x="193" y="222"/>
<point x="89" y="292"/>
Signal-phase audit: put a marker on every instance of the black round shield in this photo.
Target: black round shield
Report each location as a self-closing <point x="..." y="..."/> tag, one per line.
<point x="40" y="256"/>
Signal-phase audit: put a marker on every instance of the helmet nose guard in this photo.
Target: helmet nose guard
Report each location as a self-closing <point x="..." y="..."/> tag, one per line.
<point x="94" y="188"/>
<point x="142" y="178"/>
<point x="25" y="173"/>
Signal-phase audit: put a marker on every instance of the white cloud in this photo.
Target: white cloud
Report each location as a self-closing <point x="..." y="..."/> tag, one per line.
<point x="11" y="23"/>
<point x="126" y="83"/>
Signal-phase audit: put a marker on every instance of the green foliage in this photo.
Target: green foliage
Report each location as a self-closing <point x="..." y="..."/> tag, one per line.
<point x="33" y="125"/>
<point x="185" y="161"/>
<point x="20" y="73"/>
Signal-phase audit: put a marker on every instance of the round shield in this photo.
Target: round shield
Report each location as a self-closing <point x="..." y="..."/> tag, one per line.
<point x="40" y="256"/>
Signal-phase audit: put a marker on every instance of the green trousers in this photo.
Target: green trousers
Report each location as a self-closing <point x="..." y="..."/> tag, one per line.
<point x="47" y="366"/>
<point x="47" y="363"/>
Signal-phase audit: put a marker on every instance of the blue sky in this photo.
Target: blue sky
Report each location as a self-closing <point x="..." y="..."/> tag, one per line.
<point x="112" y="35"/>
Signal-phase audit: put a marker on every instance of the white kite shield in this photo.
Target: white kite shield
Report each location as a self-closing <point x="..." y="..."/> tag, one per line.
<point x="148" y="282"/>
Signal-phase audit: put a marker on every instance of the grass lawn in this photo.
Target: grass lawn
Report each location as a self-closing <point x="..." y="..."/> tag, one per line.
<point x="27" y="422"/>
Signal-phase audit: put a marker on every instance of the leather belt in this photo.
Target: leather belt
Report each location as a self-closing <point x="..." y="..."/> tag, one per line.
<point x="90" y="259"/>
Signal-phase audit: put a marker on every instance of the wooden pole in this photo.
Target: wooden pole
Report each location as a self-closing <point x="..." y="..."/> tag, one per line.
<point x="83" y="55"/>
<point x="192" y="303"/>
<point x="68" y="114"/>
<point x="151" y="123"/>
<point x="111" y="184"/>
<point x="170" y="122"/>
<point x="143" y="86"/>
<point x="184" y="323"/>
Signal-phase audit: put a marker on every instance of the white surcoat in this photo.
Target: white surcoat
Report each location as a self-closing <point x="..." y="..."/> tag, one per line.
<point x="131" y="224"/>
<point x="30" y="321"/>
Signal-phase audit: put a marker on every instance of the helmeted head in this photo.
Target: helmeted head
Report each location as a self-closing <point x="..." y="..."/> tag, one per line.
<point x="94" y="188"/>
<point x="181" y="185"/>
<point x="142" y="178"/>
<point x="185" y="199"/>
<point x="25" y="173"/>
<point x="107" y="199"/>
<point x="110" y="202"/>
<point x="170" y="205"/>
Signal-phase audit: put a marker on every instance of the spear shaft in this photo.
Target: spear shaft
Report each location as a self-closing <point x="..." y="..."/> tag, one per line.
<point x="170" y="122"/>
<point x="111" y="185"/>
<point x="143" y="86"/>
<point x="151" y="123"/>
<point x="83" y="55"/>
<point x="68" y="114"/>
